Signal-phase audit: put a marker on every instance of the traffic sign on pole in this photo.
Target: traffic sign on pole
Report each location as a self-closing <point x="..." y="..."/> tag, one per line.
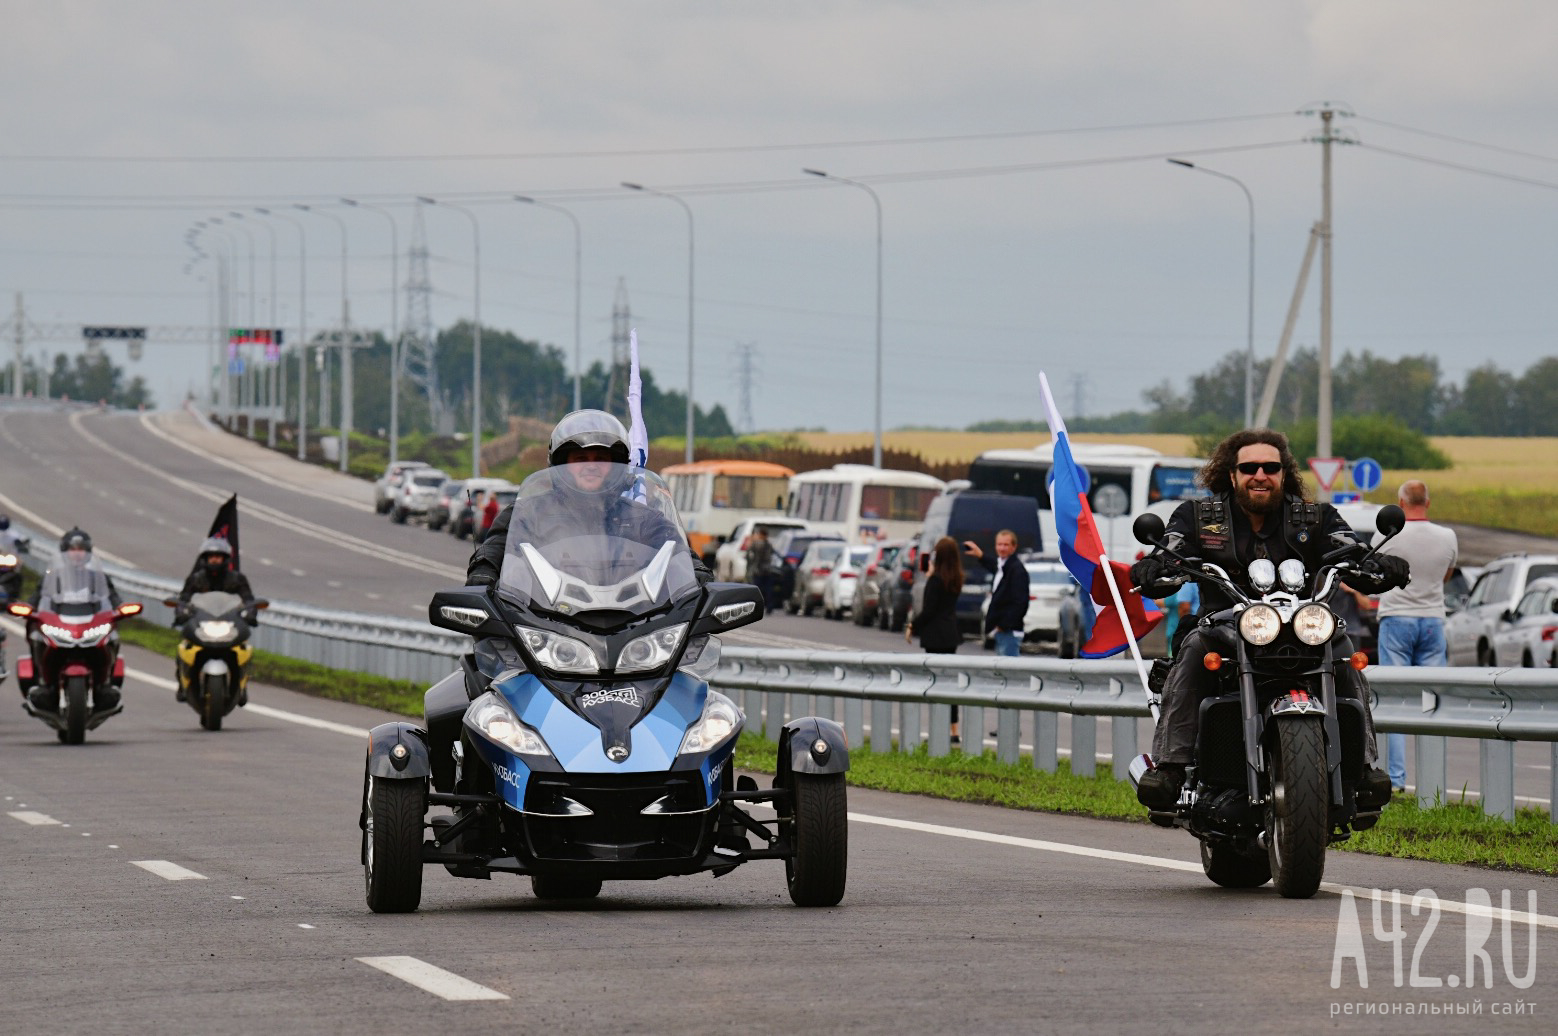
<point x="1367" y="474"/>
<point x="1326" y="469"/>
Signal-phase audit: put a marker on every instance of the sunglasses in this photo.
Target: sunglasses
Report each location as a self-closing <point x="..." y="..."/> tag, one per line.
<point x="1269" y="467"/>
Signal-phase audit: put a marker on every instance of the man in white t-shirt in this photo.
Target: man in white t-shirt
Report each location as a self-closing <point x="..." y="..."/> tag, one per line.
<point x="1411" y="619"/>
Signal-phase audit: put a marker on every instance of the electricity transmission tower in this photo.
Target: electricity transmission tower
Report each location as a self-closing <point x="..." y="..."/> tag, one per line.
<point x="746" y="356"/>
<point x="621" y="326"/>
<point x="418" y="354"/>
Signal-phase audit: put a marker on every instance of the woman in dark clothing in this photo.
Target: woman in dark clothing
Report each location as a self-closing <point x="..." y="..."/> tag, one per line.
<point x="937" y="620"/>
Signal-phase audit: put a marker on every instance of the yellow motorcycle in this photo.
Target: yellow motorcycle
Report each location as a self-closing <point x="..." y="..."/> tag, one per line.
<point x="213" y="657"/>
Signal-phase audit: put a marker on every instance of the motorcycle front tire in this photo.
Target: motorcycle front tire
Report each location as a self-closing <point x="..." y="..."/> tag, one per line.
<point x="392" y="869"/>
<point x="820" y="831"/>
<point x="75" y="710"/>
<point x="213" y="700"/>
<point x="1300" y="829"/>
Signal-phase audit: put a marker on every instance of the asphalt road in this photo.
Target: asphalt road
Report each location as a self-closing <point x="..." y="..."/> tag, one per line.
<point x="161" y="878"/>
<point x="147" y="486"/>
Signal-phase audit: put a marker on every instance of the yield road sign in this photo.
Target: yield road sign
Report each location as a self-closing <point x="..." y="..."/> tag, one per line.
<point x="1367" y="474"/>
<point x="1326" y="469"/>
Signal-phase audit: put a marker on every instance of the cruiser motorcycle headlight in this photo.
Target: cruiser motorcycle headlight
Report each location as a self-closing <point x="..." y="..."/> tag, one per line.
<point x="652" y="650"/>
<point x="491" y="715"/>
<point x="216" y="631"/>
<point x="86" y="638"/>
<point x="558" y="653"/>
<point x="1314" y="624"/>
<point x="1260" y="624"/>
<point x="720" y="719"/>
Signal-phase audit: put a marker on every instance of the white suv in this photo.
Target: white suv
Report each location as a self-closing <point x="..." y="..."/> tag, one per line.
<point x="1469" y="632"/>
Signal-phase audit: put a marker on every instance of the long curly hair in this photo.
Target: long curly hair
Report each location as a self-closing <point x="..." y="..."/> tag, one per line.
<point x="1217" y="475"/>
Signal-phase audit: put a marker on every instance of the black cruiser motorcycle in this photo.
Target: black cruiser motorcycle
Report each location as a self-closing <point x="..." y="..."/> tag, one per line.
<point x="580" y="741"/>
<point x="1278" y="754"/>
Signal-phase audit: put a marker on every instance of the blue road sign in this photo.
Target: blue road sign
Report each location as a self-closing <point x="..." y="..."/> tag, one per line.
<point x="1342" y="497"/>
<point x="1367" y="474"/>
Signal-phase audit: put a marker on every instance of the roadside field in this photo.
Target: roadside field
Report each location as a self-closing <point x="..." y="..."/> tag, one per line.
<point x="937" y="446"/>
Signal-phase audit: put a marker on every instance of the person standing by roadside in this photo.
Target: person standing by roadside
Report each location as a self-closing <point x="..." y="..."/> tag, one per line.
<point x="937" y="620"/>
<point x="760" y="567"/>
<point x="1411" y="619"/>
<point x="489" y="512"/>
<point x="1008" y="592"/>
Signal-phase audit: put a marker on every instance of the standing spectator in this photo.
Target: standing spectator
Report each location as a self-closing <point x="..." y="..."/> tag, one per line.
<point x="1008" y="592"/>
<point x="937" y="619"/>
<point x="1411" y="619"/>
<point x="489" y="512"/>
<point x="760" y="567"/>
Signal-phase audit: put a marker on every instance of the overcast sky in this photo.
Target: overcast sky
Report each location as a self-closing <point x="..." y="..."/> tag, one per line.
<point x="1030" y="219"/>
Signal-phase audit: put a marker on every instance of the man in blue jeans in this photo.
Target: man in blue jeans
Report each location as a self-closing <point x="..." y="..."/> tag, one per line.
<point x="1008" y="593"/>
<point x="1411" y="619"/>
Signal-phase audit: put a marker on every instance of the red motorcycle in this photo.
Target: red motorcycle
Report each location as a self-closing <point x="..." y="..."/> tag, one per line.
<point x="74" y="676"/>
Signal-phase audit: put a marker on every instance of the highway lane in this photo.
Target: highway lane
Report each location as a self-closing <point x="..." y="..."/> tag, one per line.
<point x="958" y="917"/>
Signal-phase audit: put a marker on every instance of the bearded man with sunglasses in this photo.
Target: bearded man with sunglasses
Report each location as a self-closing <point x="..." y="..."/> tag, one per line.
<point x="1257" y="509"/>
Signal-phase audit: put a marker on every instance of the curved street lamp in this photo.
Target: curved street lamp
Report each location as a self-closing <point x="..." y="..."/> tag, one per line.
<point x="687" y="209"/>
<point x="475" y="334"/>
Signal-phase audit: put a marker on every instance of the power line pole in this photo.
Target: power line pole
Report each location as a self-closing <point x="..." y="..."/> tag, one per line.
<point x="1078" y="394"/>
<point x="21" y="345"/>
<point x="1326" y="138"/>
<point x="418" y="351"/>
<point x="746" y="372"/>
<point x="621" y="326"/>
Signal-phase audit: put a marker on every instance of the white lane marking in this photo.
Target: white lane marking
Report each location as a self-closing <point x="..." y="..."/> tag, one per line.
<point x="259" y="710"/>
<point x="274" y="516"/>
<point x="299" y="573"/>
<point x="247" y="469"/>
<point x="86" y="834"/>
<point x="267" y="562"/>
<point x="236" y="897"/>
<point x="28" y="816"/>
<point x="1515" y="916"/>
<point x="113" y="847"/>
<point x="42" y="524"/>
<point x="334" y="584"/>
<point x="308" y="926"/>
<point x="373" y="596"/>
<point x="432" y="979"/>
<point x="171" y="871"/>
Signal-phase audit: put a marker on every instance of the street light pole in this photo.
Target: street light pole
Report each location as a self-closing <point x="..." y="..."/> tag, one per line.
<point x="226" y="261"/>
<point x="246" y="376"/>
<point x="475" y="335"/>
<point x="687" y="209"/>
<point x="394" y="428"/>
<point x="876" y="444"/>
<point x="1249" y="328"/>
<point x="346" y="351"/>
<point x="281" y="368"/>
<point x="577" y="286"/>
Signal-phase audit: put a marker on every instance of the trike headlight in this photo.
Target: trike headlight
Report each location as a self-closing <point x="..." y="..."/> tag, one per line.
<point x="652" y="650"/>
<point x="491" y="715"/>
<point x="719" y="721"/>
<point x="558" y="653"/>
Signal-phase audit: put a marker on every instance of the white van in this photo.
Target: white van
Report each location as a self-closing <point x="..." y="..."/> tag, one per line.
<point x="1124" y="481"/>
<point x="862" y="504"/>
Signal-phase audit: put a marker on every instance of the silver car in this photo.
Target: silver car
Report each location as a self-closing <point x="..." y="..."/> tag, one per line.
<point x="417" y="494"/>
<point x="1527" y="635"/>
<point x="1469" y="632"/>
<point x="385" y="485"/>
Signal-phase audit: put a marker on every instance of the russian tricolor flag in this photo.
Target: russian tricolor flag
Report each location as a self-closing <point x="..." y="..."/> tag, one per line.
<point x="1082" y="550"/>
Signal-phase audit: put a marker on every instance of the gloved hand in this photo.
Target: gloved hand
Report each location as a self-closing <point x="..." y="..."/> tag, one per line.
<point x="1151" y="571"/>
<point x="1390" y="571"/>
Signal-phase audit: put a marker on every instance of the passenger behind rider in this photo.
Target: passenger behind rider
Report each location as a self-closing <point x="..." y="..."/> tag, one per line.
<point x="1257" y="510"/>
<point x="213" y="573"/>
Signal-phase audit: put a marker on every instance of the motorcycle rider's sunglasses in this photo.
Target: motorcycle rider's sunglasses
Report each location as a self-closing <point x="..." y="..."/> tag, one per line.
<point x="1250" y="467"/>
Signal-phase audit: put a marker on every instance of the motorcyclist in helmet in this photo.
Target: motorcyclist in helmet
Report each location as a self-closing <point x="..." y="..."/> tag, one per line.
<point x="213" y="572"/>
<point x="593" y="447"/>
<point x="1257" y="509"/>
<point x="75" y="577"/>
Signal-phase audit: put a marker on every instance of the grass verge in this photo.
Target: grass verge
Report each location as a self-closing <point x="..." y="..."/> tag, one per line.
<point x="1455" y="833"/>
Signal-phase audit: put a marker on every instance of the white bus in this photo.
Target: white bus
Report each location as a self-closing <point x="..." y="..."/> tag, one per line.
<point x="861" y="503"/>
<point x="1124" y="481"/>
<point x="715" y="496"/>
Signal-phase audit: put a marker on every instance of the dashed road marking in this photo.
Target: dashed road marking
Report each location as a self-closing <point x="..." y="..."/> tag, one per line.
<point x="36" y="819"/>
<point x="299" y="573"/>
<point x="169" y="870"/>
<point x="432" y="979"/>
<point x="267" y="562"/>
<point x="308" y="926"/>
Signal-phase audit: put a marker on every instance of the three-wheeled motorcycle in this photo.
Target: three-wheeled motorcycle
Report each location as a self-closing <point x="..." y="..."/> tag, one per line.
<point x="580" y="741"/>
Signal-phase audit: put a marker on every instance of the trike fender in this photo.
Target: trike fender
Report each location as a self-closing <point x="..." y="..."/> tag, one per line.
<point x="798" y="743"/>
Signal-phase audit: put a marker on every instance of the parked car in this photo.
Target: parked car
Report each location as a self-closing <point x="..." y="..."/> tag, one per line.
<point x="897" y="594"/>
<point x="1054" y="607"/>
<point x="730" y="560"/>
<point x="385" y="485"/>
<point x="789" y="548"/>
<point x="810" y="573"/>
<point x="838" y="589"/>
<point x="1525" y="635"/>
<point x="1469" y="632"/>
<point x="450" y="495"/>
<point x="968" y="514"/>
<point x="874" y="577"/>
<point x="463" y="519"/>
<point x="1458" y="587"/>
<point x="416" y="494"/>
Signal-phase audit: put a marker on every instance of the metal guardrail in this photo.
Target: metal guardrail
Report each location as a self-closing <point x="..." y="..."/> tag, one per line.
<point x="1495" y="706"/>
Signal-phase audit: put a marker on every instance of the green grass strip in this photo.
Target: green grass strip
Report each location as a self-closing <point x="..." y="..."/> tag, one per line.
<point x="1455" y="833"/>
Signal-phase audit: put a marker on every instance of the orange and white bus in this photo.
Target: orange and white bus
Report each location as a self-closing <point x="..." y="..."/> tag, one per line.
<point x="715" y="496"/>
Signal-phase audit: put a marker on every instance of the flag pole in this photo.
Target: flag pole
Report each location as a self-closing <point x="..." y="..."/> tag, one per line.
<point x="1058" y="428"/>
